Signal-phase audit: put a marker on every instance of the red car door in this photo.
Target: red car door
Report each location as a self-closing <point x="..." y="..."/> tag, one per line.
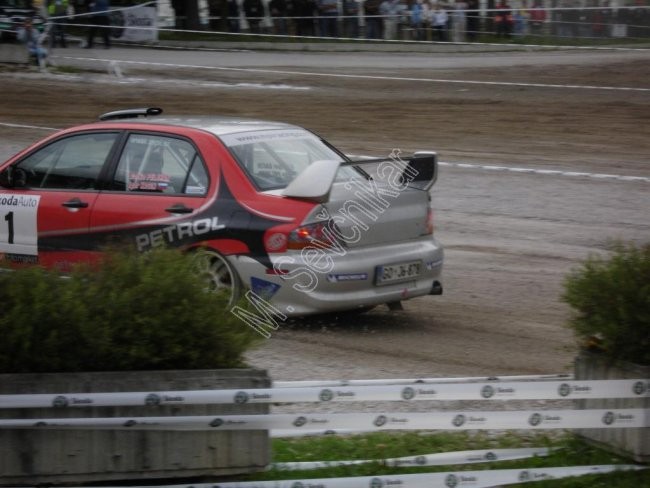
<point x="157" y="196"/>
<point x="46" y="210"/>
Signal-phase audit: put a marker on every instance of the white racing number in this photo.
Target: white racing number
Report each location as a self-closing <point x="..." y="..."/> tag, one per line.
<point x="18" y="230"/>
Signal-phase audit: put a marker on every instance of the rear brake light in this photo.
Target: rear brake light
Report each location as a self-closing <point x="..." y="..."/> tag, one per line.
<point x="321" y="235"/>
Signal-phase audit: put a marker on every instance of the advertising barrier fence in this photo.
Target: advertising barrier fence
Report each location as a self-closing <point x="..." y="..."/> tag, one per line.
<point x="551" y="388"/>
<point x="509" y="390"/>
<point x="436" y="459"/>
<point x="455" y="479"/>
<point x="417" y="381"/>
<point x="457" y="420"/>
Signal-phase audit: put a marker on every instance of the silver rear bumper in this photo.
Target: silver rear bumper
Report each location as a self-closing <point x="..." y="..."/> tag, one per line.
<point x="321" y="282"/>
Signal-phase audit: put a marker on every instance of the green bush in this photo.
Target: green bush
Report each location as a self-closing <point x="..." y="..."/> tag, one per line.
<point x="129" y="312"/>
<point x="611" y="303"/>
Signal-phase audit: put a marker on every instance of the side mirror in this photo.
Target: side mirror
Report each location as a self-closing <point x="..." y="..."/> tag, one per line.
<point x="13" y="177"/>
<point x="6" y="177"/>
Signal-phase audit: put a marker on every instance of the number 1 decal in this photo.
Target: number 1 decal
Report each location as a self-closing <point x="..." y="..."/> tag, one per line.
<point x="10" y="223"/>
<point x="19" y="230"/>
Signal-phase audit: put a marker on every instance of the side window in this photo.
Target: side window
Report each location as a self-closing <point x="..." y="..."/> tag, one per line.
<point x="160" y="164"/>
<point x="70" y="163"/>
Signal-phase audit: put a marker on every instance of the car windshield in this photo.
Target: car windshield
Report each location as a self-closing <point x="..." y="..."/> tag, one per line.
<point x="273" y="158"/>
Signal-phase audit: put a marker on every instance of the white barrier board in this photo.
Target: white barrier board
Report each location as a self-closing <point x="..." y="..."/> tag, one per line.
<point x="451" y="479"/>
<point x="501" y="391"/>
<point x="435" y="459"/>
<point x="465" y="420"/>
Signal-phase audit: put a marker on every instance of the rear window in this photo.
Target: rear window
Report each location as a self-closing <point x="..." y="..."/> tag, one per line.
<point x="273" y="158"/>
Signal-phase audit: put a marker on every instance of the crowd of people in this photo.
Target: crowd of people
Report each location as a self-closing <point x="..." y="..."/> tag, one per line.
<point x="433" y="20"/>
<point x="423" y="20"/>
<point x="373" y="19"/>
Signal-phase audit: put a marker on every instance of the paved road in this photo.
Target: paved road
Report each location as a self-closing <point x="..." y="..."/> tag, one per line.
<point x="347" y="60"/>
<point x="337" y="63"/>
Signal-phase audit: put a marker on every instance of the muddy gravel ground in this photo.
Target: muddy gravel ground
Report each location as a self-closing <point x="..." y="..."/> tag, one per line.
<point x="558" y="167"/>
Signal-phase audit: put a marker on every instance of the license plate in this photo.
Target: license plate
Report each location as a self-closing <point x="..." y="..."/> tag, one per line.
<point x="393" y="273"/>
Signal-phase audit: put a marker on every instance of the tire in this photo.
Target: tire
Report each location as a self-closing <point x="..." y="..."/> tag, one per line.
<point x="219" y="274"/>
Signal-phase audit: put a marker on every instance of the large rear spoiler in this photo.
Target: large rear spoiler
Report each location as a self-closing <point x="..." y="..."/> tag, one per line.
<point x="315" y="182"/>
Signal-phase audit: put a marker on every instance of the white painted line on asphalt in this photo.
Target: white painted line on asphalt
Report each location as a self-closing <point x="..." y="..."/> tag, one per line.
<point x="634" y="178"/>
<point x="547" y="172"/>
<point x="512" y="169"/>
<point x="363" y="77"/>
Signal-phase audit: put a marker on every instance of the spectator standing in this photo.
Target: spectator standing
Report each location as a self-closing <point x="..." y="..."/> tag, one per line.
<point x="374" y="26"/>
<point x="180" y="14"/>
<point x="32" y="39"/>
<point x="100" y="20"/>
<point x="351" y="18"/>
<point x="572" y="17"/>
<point x="560" y="21"/>
<point x="584" y="26"/>
<point x="80" y="6"/>
<point x="537" y="18"/>
<point x="439" y="20"/>
<point x="390" y="11"/>
<point x="217" y="15"/>
<point x="473" y="20"/>
<point x="597" y="23"/>
<point x="418" y="16"/>
<point x="304" y="13"/>
<point x="459" y="22"/>
<point x="57" y="10"/>
<point x="520" y="22"/>
<point x="503" y="19"/>
<point x="328" y="13"/>
<point x="254" y="10"/>
<point x="278" y="10"/>
<point x="233" y="16"/>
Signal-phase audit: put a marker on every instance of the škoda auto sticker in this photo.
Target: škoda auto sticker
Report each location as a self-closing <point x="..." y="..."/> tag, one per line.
<point x="18" y="229"/>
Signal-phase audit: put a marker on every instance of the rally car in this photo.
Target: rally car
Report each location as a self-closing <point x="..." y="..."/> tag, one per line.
<point x="277" y="212"/>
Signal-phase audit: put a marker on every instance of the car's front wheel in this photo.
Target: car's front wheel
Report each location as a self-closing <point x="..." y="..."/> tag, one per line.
<point x="218" y="274"/>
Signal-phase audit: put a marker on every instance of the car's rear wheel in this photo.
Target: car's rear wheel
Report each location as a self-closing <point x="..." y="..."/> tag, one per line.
<point x="218" y="274"/>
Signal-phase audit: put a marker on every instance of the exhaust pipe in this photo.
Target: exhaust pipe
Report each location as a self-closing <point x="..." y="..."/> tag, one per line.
<point x="436" y="288"/>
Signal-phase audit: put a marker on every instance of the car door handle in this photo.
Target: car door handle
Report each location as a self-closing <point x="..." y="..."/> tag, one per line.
<point x="179" y="208"/>
<point x="75" y="203"/>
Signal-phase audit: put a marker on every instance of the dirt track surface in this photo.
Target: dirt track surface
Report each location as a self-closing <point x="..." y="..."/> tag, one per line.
<point x="511" y="235"/>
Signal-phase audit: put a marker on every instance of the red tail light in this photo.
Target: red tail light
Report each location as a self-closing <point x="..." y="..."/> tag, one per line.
<point x="320" y="234"/>
<point x="323" y="235"/>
